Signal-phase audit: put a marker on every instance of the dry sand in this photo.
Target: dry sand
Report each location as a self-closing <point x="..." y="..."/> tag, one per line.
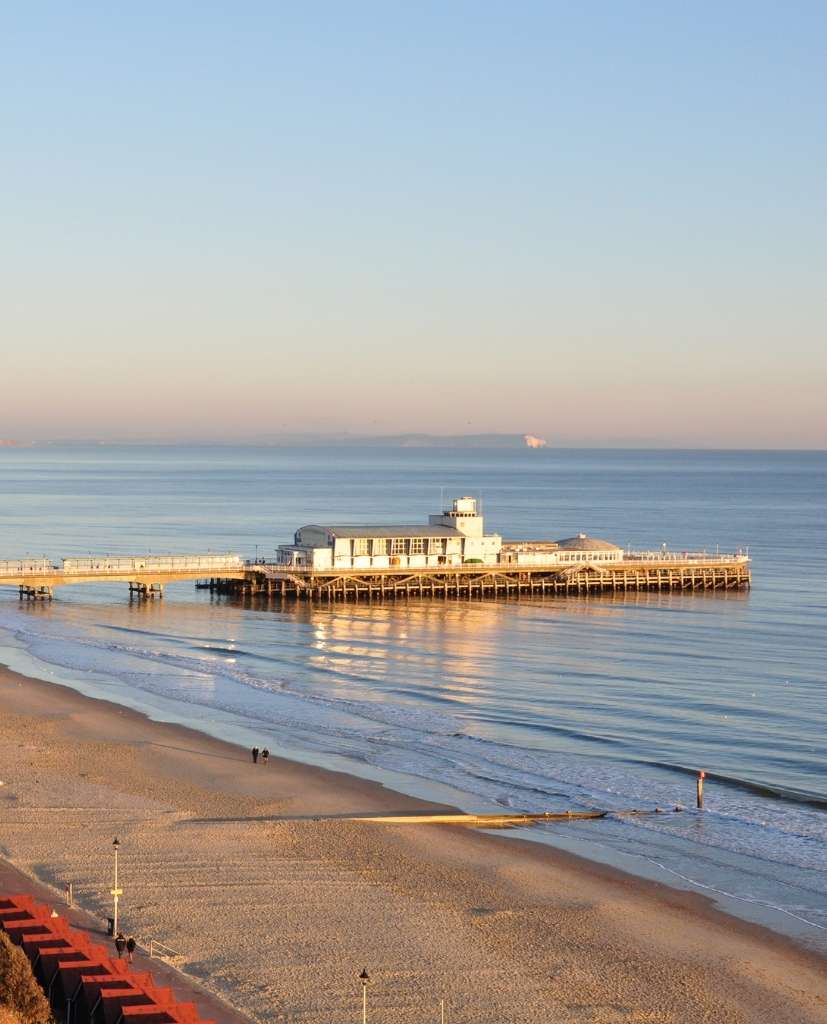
<point x="224" y="862"/>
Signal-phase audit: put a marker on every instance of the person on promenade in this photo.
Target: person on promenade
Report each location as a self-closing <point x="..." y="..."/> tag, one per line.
<point x="254" y="752"/>
<point x="265" y="756"/>
<point x="130" y="948"/>
<point x="120" y="944"/>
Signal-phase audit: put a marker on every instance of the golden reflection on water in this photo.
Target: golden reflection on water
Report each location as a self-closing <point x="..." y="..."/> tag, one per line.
<point x="460" y="649"/>
<point x="464" y="649"/>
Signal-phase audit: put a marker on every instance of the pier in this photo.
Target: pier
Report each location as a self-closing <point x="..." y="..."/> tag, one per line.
<point x="638" y="572"/>
<point x="449" y="557"/>
<point x="469" y="581"/>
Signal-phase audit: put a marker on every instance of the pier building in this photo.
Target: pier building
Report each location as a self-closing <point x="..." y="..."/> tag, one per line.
<point x="453" y="537"/>
<point x="581" y="548"/>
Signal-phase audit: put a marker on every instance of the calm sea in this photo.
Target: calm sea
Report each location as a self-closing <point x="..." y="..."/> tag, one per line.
<point x="532" y="704"/>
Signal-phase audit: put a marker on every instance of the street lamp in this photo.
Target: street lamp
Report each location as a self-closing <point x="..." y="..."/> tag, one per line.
<point x="364" y="977"/>
<point x="115" y="892"/>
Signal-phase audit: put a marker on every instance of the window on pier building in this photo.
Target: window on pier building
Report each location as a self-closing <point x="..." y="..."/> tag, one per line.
<point x="436" y="546"/>
<point x="361" y="546"/>
<point x="417" y="546"/>
<point x="398" y="546"/>
<point x="380" y="546"/>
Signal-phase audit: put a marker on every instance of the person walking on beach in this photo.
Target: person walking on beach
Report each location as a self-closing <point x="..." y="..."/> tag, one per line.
<point x="130" y="948"/>
<point x="254" y="752"/>
<point x="120" y="944"/>
<point x="265" y="756"/>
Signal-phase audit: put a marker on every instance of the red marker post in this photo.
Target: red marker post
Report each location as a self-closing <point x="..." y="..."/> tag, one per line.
<point x="701" y="777"/>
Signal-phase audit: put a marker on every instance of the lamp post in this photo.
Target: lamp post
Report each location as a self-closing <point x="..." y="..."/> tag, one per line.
<point x="364" y="977"/>
<point x="115" y="892"/>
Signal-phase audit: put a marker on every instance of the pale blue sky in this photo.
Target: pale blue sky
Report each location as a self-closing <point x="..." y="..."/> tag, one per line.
<point x="596" y="222"/>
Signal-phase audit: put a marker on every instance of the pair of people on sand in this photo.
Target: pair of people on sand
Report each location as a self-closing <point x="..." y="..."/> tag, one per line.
<point x="123" y="943"/>
<point x="263" y="754"/>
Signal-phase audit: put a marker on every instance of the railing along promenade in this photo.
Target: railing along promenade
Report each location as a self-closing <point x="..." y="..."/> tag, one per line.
<point x="146" y="576"/>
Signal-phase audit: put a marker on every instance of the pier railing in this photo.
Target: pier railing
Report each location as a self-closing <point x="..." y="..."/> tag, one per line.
<point x="25" y="566"/>
<point x="684" y="556"/>
<point x="119" y="565"/>
<point x="650" y="557"/>
<point x="189" y="566"/>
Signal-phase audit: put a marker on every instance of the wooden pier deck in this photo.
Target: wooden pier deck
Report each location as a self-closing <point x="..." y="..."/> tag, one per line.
<point x="38" y="582"/>
<point x="476" y="581"/>
<point x="255" y="579"/>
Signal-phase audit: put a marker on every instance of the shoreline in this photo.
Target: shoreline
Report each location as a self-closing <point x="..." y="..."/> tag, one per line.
<point x="476" y="897"/>
<point x="588" y="846"/>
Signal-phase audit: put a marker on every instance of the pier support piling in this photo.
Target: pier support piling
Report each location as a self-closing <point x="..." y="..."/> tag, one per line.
<point x="329" y="586"/>
<point x="35" y="593"/>
<point x="146" y="591"/>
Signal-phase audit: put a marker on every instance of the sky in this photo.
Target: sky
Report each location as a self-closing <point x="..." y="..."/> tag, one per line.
<point x="598" y="223"/>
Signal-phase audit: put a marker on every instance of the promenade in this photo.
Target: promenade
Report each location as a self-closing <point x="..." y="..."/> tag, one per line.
<point x="185" y="989"/>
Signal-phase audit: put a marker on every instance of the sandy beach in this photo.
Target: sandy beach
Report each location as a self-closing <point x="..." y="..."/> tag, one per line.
<point x="276" y="902"/>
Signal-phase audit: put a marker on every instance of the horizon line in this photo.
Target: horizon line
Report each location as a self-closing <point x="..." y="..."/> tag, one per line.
<point x="306" y="439"/>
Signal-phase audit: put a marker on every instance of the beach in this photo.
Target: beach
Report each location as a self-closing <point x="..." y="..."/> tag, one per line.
<point x="254" y="875"/>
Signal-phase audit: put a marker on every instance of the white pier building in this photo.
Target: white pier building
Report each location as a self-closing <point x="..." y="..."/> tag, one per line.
<point x="581" y="548"/>
<point x="454" y="537"/>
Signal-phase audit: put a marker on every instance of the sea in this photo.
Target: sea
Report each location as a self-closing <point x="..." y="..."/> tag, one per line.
<point x="533" y="704"/>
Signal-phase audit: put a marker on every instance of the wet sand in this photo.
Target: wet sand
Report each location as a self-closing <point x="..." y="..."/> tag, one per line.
<point x="276" y="902"/>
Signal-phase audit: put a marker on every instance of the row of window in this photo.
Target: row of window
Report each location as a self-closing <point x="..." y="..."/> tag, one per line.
<point x="588" y="556"/>
<point x="398" y="546"/>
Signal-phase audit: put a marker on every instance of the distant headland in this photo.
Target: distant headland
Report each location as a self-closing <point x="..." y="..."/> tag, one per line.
<point x="310" y="440"/>
<point x="397" y="440"/>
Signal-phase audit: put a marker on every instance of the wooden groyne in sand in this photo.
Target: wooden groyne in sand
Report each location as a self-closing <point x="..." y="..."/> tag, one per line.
<point x="513" y="820"/>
